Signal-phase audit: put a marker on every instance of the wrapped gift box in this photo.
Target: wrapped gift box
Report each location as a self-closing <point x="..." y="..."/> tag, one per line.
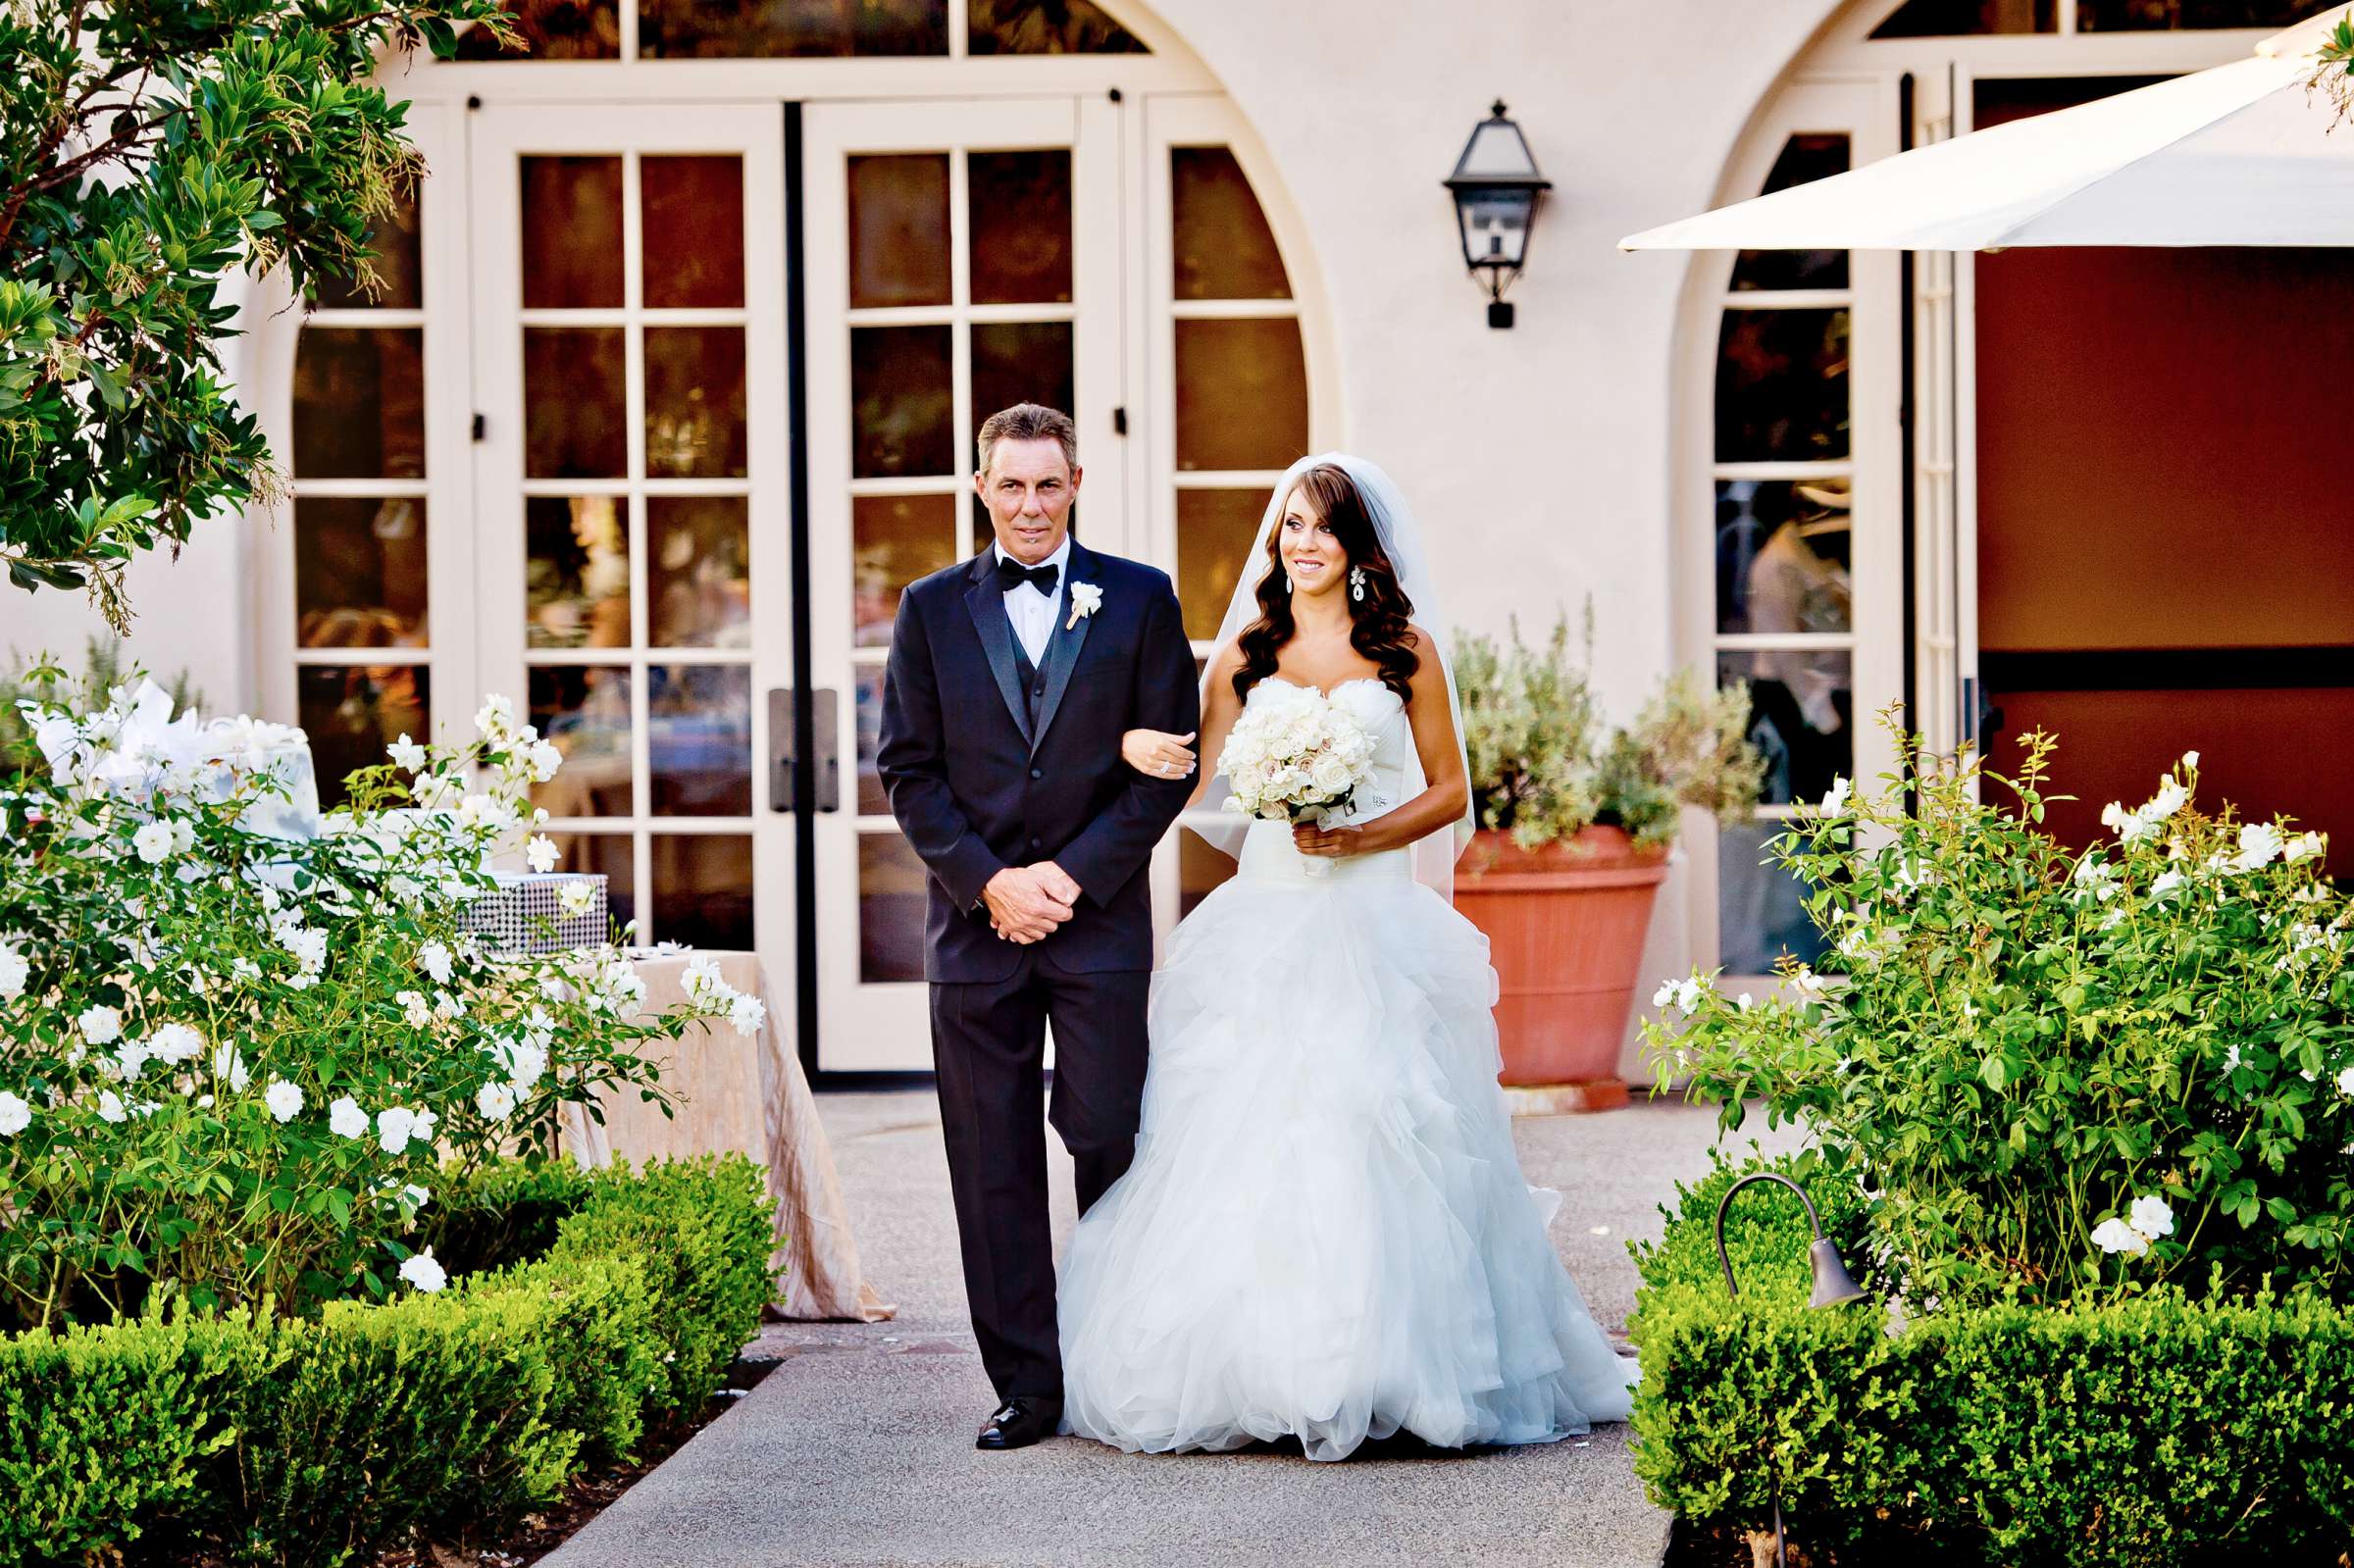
<point x="506" y="918"/>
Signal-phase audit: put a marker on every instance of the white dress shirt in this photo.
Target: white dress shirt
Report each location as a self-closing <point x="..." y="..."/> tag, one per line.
<point x="1033" y="613"/>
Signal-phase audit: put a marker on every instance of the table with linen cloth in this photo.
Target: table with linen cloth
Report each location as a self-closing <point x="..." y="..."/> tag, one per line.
<point x="748" y="1096"/>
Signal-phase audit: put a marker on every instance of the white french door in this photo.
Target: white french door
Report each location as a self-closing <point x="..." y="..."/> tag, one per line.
<point x="632" y="494"/>
<point x="963" y="256"/>
<point x="1802" y="558"/>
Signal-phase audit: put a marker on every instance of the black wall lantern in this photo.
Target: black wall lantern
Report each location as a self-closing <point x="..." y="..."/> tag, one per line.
<point x="1496" y="187"/>
<point x="1834" y="1286"/>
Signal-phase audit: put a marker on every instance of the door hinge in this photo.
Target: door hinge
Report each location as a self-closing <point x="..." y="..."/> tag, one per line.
<point x="1119" y="421"/>
<point x="477" y="426"/>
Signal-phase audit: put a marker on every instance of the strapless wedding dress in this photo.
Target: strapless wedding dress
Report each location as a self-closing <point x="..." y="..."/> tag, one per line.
<point x="1325" y="1232"/>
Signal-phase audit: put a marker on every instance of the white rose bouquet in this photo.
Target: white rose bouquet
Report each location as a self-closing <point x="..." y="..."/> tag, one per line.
<point x="1296" y="757"/>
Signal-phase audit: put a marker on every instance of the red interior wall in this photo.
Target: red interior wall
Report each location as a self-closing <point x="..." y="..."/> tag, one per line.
<point x="2163" y="463"/>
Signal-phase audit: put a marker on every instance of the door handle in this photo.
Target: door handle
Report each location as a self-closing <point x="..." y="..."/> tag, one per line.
<point x="825" y="725"/>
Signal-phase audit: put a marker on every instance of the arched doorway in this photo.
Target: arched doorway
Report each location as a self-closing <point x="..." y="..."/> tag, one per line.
<point x="674" y="388"/>
<point x="1891" y="502"/>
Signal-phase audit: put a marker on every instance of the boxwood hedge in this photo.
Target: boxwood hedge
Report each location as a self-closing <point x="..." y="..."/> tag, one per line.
<point x="182" y="1437"/>
<point x="2158" y="1429"/>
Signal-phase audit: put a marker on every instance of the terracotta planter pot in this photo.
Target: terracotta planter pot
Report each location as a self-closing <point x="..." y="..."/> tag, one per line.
<point x="1564" y="927"/>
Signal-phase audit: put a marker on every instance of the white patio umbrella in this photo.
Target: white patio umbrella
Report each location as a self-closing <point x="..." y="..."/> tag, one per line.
<point x="2238" y="155"/>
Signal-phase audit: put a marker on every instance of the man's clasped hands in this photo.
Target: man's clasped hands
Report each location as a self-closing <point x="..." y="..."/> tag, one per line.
<point x="1026" y="904"/>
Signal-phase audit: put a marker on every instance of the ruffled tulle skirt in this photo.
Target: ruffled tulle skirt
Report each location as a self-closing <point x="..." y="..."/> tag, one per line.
<point x="1325" y="1232"/>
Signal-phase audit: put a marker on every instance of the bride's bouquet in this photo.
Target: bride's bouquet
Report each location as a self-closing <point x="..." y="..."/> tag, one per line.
<point x="1296" y="757"/>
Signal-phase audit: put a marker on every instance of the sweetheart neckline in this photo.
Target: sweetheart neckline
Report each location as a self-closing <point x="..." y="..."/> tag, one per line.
<point x="1355" y="679"/>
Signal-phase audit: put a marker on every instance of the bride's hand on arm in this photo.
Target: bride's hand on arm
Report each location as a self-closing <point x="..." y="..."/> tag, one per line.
<point x="1445" y="792"/>
<point x="1156" y="753"/>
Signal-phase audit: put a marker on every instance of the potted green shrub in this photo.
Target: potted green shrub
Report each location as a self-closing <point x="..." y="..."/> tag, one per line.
<point x="1575" y="822"/>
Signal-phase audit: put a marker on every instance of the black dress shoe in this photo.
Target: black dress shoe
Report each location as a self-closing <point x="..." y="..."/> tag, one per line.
<point x="1021" y="1422"/>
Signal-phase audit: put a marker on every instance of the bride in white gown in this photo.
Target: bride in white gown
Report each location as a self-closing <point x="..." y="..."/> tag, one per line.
<point x="1325" y="1233"/>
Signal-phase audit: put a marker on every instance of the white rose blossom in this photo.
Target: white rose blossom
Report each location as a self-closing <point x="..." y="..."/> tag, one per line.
<point x="395" y="1125"/>
<point x="175" y="1043"/>
<point x="422" y="1272"/>
<point x="2145" y="1220"/>
<point x="100" y="1024"/>
<point x="345" y="1119"/>
<point x="285" y="1099"/>
<point x="495" y="717"/>
<point x="701" y="980"/>
<point x="230" y="1064"/>
<point x="155" y="843"/>
<point x="2260" y="845"/>
<point x="2151" y="1216"/>
<point x="16" y="1114"/>
<point x="433" y="959"/>
<point x="14" y="969"/>
<point x="2116" y="1236"/>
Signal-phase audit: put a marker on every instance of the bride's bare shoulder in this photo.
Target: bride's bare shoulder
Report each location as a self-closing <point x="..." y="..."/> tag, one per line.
<point x="1429" y="674"/>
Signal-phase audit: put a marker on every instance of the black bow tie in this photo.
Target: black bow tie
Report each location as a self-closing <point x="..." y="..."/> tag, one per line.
<point x="1011" y="575"/>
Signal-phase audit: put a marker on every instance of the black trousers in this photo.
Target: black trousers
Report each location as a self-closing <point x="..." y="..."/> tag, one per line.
<point x="989" y="1047"/>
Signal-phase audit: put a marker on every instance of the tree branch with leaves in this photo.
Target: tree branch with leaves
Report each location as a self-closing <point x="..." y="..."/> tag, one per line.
<point x="146" y="151"/>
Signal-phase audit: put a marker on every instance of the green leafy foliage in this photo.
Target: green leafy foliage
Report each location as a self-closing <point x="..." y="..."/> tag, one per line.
<point x="2156" y="1430"/>
<point x="182" y="1437"/>
<point x="112" y="1434"/>
<point x="703" y="1229"/>
<point x="1544" y="766"/>
<point x="2062" y="1073"/>
<point x="383" y="1418"/>
<point x="146" y="152"/>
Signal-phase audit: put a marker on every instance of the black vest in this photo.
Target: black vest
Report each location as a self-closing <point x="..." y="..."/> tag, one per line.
<point x="1034" y="680"/>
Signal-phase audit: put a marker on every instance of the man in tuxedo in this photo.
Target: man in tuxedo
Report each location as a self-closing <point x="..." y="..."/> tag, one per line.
<point x="1012" y="677"/>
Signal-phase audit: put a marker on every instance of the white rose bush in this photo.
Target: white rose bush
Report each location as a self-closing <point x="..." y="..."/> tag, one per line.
<point x="235" y="1064"/>
<point x="2058" y="1074"/>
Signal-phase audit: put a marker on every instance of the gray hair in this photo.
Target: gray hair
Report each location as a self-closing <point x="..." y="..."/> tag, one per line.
<point x="1029" y="422"/>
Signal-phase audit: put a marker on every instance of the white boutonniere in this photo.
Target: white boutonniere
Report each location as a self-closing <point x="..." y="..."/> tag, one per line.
<point x="1086" y="600"/>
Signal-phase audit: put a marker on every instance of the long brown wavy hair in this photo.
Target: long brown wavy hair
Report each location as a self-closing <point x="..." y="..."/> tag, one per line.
<point x="1378" y="622"/>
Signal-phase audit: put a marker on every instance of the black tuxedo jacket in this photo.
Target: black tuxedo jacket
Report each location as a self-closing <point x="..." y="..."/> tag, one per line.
<point x="977" y="785"/>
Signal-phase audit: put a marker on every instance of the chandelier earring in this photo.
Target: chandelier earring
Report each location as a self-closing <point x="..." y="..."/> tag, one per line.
<point x="1356" y="583"/>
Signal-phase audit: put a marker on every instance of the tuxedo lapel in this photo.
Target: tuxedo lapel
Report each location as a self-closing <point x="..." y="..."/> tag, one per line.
<point x="1064" y="642"/>
<point x="985" y="601"/>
